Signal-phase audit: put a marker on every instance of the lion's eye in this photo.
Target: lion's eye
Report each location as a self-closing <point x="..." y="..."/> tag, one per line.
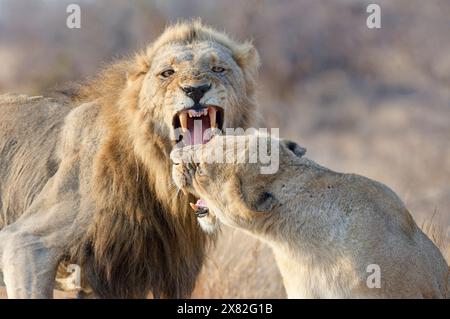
<point x="167" y="73"/>
<point x="217" y="69"/>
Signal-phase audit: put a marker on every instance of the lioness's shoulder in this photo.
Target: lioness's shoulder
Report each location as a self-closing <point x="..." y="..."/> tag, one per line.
<point x="381" y="200"/>
<point x="370" y="188"/>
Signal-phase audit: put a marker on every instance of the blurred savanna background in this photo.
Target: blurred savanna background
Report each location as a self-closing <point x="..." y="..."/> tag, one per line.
<point x="370" y="101"/>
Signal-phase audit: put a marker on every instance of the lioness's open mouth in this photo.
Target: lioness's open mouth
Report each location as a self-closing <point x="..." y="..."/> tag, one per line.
<point x="200" y="208"/>
<point x="196" y="121"/>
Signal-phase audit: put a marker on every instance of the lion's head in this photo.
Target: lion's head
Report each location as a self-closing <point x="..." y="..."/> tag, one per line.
<point x="197" y="79"/>
<point x="191" y="79"/>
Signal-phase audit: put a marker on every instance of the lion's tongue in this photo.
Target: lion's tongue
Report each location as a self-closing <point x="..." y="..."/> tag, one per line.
<point x="197" y="127"/>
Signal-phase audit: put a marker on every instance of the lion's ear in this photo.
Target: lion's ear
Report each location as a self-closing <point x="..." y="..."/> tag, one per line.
<point x="139" y="68"/>
<point x="247" y="57"/>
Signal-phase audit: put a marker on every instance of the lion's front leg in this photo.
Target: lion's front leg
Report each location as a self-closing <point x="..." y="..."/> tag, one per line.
<point x="32" y="247"/>
<point x="29" y="267"/>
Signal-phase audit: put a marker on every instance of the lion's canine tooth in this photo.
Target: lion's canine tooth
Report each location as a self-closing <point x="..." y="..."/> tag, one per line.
<point x="205" y="111"/>
<point x="212" y="117"/>
<point x="183" y="120"/>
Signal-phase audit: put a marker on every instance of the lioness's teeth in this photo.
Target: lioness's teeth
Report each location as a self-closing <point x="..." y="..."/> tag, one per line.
<point x="212" y="117"/>
<point x="183" y="120"/>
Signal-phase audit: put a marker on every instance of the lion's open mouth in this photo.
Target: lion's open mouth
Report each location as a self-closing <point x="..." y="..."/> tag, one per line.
<point x="198" y="125"/>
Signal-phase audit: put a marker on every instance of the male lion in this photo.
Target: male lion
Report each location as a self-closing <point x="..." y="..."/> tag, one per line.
<point x="87" y="181"/>
<point x="334" y="235"/>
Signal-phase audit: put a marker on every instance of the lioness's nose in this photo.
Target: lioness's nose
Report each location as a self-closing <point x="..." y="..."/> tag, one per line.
<point x="175" y="156"/>
<point x="196" y="92"/>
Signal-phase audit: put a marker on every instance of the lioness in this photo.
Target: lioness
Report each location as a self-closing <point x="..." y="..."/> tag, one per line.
<point x="334" y="235"/>
<point x="88" y="180"/>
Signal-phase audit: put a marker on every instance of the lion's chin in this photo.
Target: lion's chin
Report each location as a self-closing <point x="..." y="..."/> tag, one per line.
<point x="198" y="124"/>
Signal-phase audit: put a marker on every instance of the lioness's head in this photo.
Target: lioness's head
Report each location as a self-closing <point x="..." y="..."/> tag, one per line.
<point x="235" y="191"/>
<point x="194" y="81"/>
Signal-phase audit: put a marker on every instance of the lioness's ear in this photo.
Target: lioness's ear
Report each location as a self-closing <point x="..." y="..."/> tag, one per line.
<point x="247" y="57"/>
<point x="245" y="203"/>
<point x="296" y="149"/>
<point x="265" y="202"/>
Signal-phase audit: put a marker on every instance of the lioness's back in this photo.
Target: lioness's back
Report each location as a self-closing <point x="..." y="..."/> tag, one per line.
<point x="29" y="129"/>
<point x="393" y="238"/>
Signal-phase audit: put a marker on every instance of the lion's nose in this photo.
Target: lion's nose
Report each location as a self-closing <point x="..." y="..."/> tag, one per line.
<point x="196" y="92"/>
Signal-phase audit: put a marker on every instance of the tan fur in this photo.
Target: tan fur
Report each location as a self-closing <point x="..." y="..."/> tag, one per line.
<point x="109" y="205"/>
<point x="325" y="228"/>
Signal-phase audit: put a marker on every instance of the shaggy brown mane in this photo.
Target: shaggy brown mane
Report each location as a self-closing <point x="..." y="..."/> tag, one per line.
<point x="122" y="252"/>
<point x="133" y="229"/>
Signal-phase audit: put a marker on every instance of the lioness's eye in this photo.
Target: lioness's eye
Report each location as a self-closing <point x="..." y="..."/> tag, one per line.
<point x="200" y="170"/>
<point x="217" y="69"/>
<point x="167" y="73"/>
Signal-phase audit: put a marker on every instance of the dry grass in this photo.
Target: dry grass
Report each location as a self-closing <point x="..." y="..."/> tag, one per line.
<point x="240" y="266"/>
<point x="435" y="230"/>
